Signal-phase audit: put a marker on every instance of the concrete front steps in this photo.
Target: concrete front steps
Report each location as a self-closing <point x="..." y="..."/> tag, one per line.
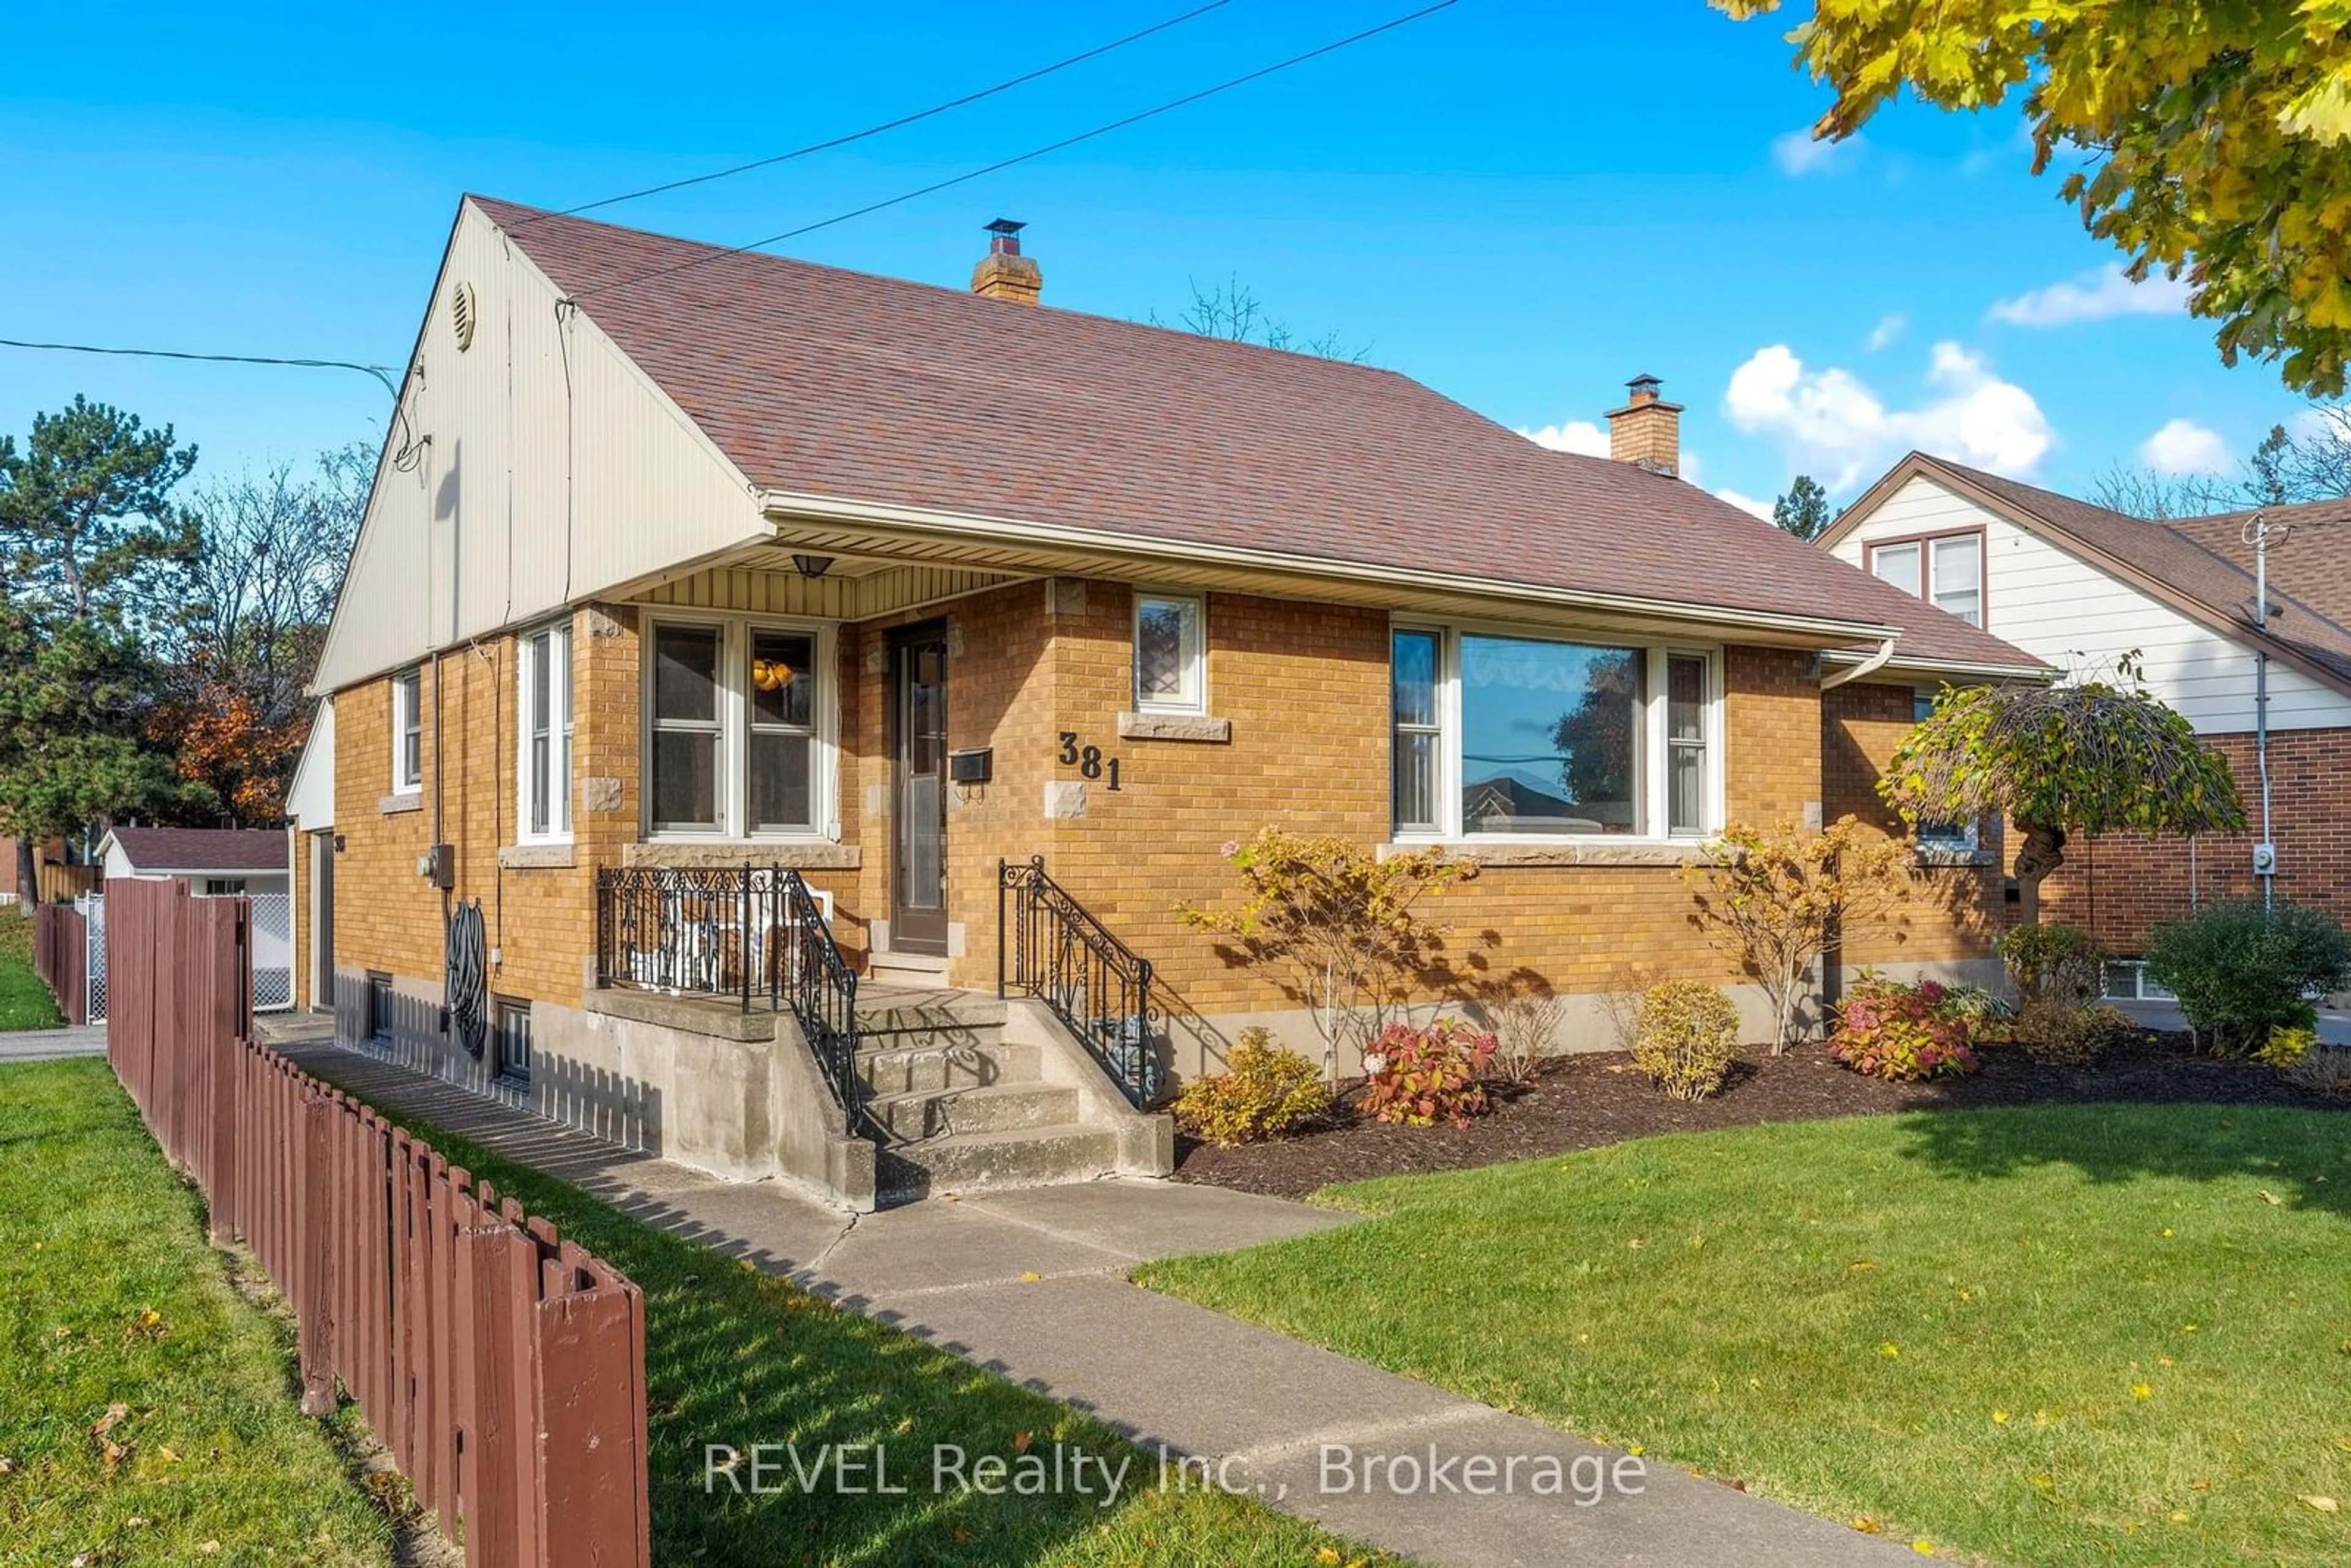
<point x="968" y="1093"/>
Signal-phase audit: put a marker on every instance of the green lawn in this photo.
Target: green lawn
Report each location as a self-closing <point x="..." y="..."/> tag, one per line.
<point x="25" y="1002"/>
<point x="114" y="1299"/>
<point x="2062" y="1334"/>
<point x="737" y="1356"/>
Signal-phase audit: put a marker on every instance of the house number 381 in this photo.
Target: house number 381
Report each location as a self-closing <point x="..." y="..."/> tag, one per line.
<point x="1088" y="760"/>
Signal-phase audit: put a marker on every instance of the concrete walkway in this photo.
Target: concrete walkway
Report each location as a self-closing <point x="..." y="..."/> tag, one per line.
<point x="1032" y="1285"/>
<point x="49" y="1044"/>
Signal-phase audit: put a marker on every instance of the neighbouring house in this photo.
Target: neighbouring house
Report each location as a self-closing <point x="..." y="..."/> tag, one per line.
<point x="221" y="863"/>
<point x="2082" y="588"/>
<point x="723" y="627"/>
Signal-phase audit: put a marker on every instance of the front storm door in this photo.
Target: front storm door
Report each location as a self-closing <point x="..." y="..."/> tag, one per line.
<point x="919" y="874"/>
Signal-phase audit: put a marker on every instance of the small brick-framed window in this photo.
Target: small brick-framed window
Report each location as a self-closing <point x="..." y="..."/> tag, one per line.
<point x="1170" y="653"/>
<point x="543" y="734"/>
<point x="1947" y="837"/>
<point x="408" y="732"/>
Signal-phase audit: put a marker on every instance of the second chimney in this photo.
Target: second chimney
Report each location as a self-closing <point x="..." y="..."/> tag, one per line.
<point x="1004" y="273"/>
<point x="1648" y="431"/>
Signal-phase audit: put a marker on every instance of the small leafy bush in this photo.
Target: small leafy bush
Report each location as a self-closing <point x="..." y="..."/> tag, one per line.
<point x="2241" y="971"/>
<point x="1264" y="1092"/>
<point x="1891" y="1030"/>
<point x="2055" y="963"/>
<point x="1415" y="1075"/>
<point x="2325" y="1072"/>
<point x="2065" y="1034"/>
<point x="2289" y="1046"/>
<point x="1686" y="1037"/>
<point x="1974" y="1005"/>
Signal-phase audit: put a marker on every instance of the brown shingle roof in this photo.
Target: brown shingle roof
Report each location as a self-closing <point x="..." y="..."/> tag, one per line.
<point x="822" y="382"/>
<point x="2313" y="563"/>
<point x="203" y="849"/>
<point x="2199" y="581"/>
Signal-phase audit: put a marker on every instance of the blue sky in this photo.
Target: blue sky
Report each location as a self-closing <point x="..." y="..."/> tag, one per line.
<point x="1522" y="204"/>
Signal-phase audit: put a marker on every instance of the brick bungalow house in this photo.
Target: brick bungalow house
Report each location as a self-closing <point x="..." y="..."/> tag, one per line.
<point x="2077" y="586"/>
<point x="703" y="595"/>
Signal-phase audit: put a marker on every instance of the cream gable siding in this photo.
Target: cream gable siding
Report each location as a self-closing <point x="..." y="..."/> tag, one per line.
<point x="2064" y="611"/>
<point x="549" y="469"/>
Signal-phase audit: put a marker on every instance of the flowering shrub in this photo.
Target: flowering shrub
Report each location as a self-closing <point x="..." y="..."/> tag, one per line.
<point x="1263" y="1090"/>
<point x="1685" y="1038"/>
<point x="1415" y="1075"/>
<point x="1896" y="1032"/>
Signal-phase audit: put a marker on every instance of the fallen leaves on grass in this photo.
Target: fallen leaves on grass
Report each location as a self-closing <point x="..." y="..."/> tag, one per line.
<point x="2322" y="1504"/>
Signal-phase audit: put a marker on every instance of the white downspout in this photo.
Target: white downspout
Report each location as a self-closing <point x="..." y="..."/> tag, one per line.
<point x="1868" y="666"/>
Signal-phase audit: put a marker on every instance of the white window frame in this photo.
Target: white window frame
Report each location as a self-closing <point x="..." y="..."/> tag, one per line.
<point x="557" y="634"/>
<point x="407" y="719"/>
<point x="1194" y="653"/>
<point x="1650" y="776"/>
<point x="1928" y="548"/>
<point x="1965" y="838"/>
<point x="733" y="804"/>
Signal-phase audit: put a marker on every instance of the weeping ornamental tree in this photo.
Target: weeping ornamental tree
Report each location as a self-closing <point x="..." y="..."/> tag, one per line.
<point x="2089" y="757"/>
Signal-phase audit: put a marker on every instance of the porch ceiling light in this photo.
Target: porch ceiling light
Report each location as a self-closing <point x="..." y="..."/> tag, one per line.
<point x="812" y="564"/>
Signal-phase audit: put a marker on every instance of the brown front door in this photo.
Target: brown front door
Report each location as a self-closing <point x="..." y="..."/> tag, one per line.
<point x="918" y="875"/>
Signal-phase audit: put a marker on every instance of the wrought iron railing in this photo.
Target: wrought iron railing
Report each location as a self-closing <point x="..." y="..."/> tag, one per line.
<point x="751" y="933"/>
<point x="1050" y="947"/>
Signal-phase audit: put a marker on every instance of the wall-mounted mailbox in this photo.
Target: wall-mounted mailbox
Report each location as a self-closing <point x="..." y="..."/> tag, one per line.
<point x="975" y="767"/>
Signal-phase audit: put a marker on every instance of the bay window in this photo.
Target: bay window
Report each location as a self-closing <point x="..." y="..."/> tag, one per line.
<point x="1502" y="733"/>
<point x="739" y="729"/>
<point x="543" y="723"/>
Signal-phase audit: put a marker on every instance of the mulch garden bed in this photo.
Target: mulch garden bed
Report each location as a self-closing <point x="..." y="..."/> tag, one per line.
<point x="1581" y="1102"/>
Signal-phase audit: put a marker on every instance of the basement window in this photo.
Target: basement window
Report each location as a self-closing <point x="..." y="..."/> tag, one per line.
<point x="510" y="1042"/>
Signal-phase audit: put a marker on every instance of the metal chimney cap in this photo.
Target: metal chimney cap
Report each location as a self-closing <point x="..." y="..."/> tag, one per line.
<point x="1006" y="226"/>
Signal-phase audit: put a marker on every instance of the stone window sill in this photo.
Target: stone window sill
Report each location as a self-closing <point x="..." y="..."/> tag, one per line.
<point x="1503" y="854"/>
<point x="538" y="857"/>
<point x="796" y="854"/>
<point x="395" y="805"/>
<point x="1929" y="855"/>
<point x="1175" y="727"/>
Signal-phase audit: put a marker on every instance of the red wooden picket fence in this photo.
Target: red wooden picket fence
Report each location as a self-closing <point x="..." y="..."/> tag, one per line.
<point x="502" y="1366"/>
<point x="60" y="957"/>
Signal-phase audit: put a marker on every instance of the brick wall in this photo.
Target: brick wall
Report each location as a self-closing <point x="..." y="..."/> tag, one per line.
<point x="1306" y="690"/>
<point x="2120" y="885"/>
<point x="1955" y="911"/>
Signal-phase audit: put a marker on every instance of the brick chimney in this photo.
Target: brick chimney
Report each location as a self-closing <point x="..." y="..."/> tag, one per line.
<point x="1004" y="273"/>
<point x="1648" y="431"/>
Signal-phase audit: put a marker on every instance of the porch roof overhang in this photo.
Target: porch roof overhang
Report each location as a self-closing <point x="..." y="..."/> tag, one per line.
<point x="1010" y="549"/>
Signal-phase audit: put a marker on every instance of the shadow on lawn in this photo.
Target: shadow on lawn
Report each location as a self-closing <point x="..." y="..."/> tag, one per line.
<point x="2303" y="1157"/>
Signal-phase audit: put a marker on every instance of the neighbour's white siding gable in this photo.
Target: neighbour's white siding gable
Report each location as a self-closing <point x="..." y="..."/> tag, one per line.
<point x="547" y="468"/>
<point x="2061" y="609"/>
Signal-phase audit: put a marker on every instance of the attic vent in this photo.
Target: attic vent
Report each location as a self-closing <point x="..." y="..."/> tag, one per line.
<point x="465" y="315"/>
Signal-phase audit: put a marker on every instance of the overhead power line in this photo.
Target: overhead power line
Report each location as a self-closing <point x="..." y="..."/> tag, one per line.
<point x="380" y="372"/>
<point x="888" y="125"/>
<point x="1029" y="156"/>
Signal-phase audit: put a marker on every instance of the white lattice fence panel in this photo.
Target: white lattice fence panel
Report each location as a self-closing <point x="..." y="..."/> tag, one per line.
<point x="273" y="952"/>
<point x="93" y="911"/>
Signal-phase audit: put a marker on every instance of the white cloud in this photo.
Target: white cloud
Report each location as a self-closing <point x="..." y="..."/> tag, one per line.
<point x="1798" y="155"/>
<point x="1572" y="436"/>
<point x="2184" y="447"/>
<point x="1834" y="427"/>
<point x="2093" y="297"/>
<point x="1748" y="504"/>
<point x="1889" y="328"/>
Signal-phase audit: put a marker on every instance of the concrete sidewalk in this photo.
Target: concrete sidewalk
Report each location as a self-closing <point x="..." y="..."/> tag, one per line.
<point x="49" y="1044"/>
<point x="1032" y="1285"/>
